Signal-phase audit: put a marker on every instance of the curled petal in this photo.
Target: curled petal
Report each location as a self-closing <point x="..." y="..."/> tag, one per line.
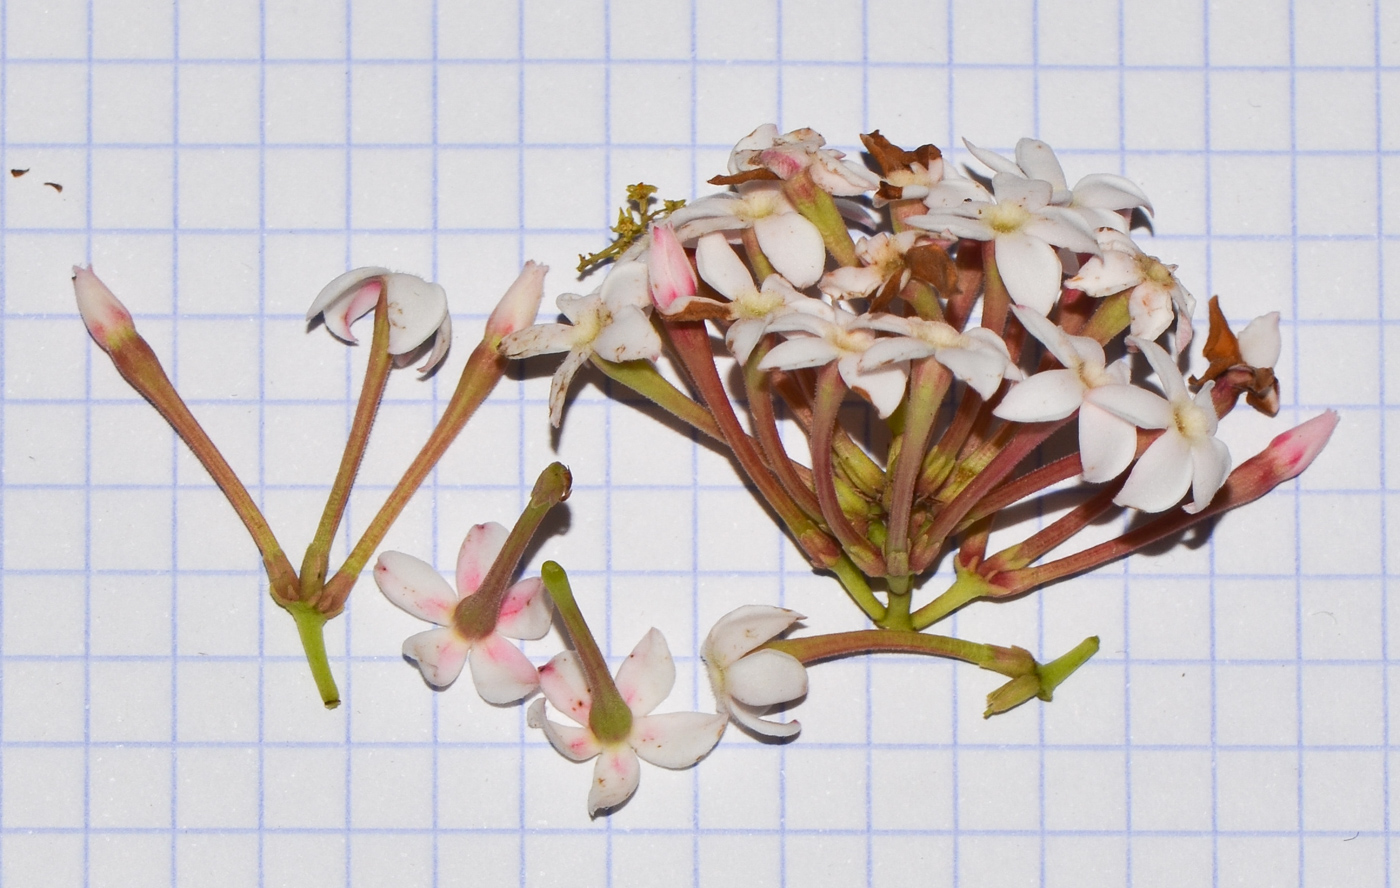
<point x="343" y="285"/>
<point x="1106" y="443"/>
<point x="1030" y="269"/>
<point x="541" y="339"/>
<point x="1110" y="192"/>
<point x="981" y="368"/>
<point x="415" y="586"/>
<point x="676" y="739"/>
<point x="1161" y="477"/>
<point x="647" y="675"/>
<point x="478" y="553"/>
<point x="993" y="160"/>
<point x="615" y="777"/>
<point x="559" y="384"/>
<point x="565" y="686"/>
<point x="882" y="387"/>
<point x="743" y="629"/>
<point x="573" y="743"/>
<point x="1110" y="272"/>
<point x="748" y="717"/>
<point x="526" y="611"/>
<point x="894" y="350"/>
<point x="442" y="341"/>
<point x="439" y="653"/>
<point x="794" y="354"/>
<point x="765" y="678"/>
<point x="794" y="246"/>
<point x="1044" y="397"/>
<point x="501" y="673"/>
<point x="355" y="305"/>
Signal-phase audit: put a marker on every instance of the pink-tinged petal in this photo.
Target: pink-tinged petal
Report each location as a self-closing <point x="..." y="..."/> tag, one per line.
<point x="894" y="350"/>
<point x="526" y="611"/>
<point x="439" y="653"/>
<point x="1063" y="228"/>
<point x="740" y="155"/>
<point x="883" y="387"/>
<point x="1037" y="160"/>
<point x="1168" y="374"/>
<point x="1030" y="269"/>
<point x="1294" y="450"/>
<point x="995" y="161"/>
<point x="559" y="384"/>
<point x="647" y="675"/>
<point x="573" y="743"/>
<point x="841" y="178"/>
<point x="626" y="285"/>
<point x="668" y="268"/>
<point x="1031" y="194"/>
<point x="1106" y="443"/>
<point x="564" y="685"/>
<point x="766" y="678"/>
<point x="1161" y="477"/>
<point x="743" y="629"/>
<point x="1185" y="308"/>
<point x="794" y="354"/>
<point x="102" y="312"/>
<point x="343" y="285"/>
<point x="1210" y="461"/>
<point x="630" y="337"/>
<point x="676" y="739"/>
<point x="415" y="586"/>
<point x="794" y="246"/>
<point x="1259" y="341"/>
<point x="1110" y="192"/>
<point x="478" y="553"/>
<point x="520" y="304"/>
<point x="416" y="311"/>
<point x="748" y="717"/>
<point x="615" y="777"/>
<point x="339" y="315"/>
<point x="721" y="267"/>
<point x="1110" y="272"/>
<point x="1144" y="409"/>
<point x="541" y="339"/>
<point x="1055" y="340"/>
<point x="501" y="673"/>
<point x="1044" y="397"/>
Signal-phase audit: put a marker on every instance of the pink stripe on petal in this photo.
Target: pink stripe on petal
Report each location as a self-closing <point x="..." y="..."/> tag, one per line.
<point x="502" y="674"/>
<point x="615" y="777"/>
<point x="526" y="611"/>
<point x="565" y="686"/>
<point x="439" y="653"/>
<point x="350" y="307"/>
<point x="573" y="743"/>
<point x="415" y="586"/>
<point x="478" y="553"/>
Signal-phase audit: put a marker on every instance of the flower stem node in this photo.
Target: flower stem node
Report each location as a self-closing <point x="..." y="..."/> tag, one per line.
<point x="1040" y="681"/>
<point x="747" y="678"/>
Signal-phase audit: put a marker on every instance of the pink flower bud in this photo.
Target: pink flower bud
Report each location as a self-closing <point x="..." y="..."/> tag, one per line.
<point x="1294" y="450"/>
<point x="106" y="318"/>
<point x="519" y="306"/>
<point x="672" y="278"/>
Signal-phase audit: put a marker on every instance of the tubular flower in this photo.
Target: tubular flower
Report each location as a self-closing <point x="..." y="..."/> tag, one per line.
<point x="747" y="682"/>
<point x="1187" y="455"/>
<point x="417" y="311"/>
<point x="611" y="322"/>
<point x="1155" y="290"/>
<point x="1022" y="223"/>
<point x="502" y="673"/>
<point x="671" y="740"/>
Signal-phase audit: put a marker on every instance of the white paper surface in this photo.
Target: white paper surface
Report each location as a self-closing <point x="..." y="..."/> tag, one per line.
<point x="220" y="162"/>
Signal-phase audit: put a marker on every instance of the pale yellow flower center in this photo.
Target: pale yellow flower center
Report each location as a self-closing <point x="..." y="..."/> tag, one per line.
<point x="1007" y="218"/>
<point x="755" y="304"/>
<point x="1191" y="421"/>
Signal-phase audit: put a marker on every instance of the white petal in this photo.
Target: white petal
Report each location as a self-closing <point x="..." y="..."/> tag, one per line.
<point x="1063" y="228"/>
<point x="1106" y="443"/>
<point x="1030" y="269"/>
<point x="1032" y="194"/>
<point x="559" y="384"/>
<point x="1144" y="409"/>
<point x="615" y="777"/>
<point x="415" y="586"/>
<point x="806" y="351"/>
<point x="1055" y="340"/>
<point x="439" y="653"/>
<point x="479" y="550"/>
<point x="1044" y="397"/>
<point x="1161" y="477"/>
<point x="794" y="246"/>
<point x="957" y="226"/>
<point x="997" y="163"/>
<point x="721" y="267"/>
<point x="626" y="285"/>
<point x="564" y="685"/>
<point x="1259" y="341"/>
<point x="341" y="286"/>
<point x="630" y="337"/>
<point x="1110" y="192"/>
<point x="573" y="743"/>
<point x="501" y="673"/>
<point x="894" y="350"/>
<point x="743" y="335"/>
<point x="765" y="678"/>
<point x="526" y="611"/>
<point x="982" y="369"/>
<point x="748" y="717"/>
<point x="416" y="310"/>
<point x="1037" y="160"/>
<point x="883" y="386"/>
<point x="541" y="339"/>
<point x="743" y="629"/>
<point x="1168" y="374"/>
<point x="676" y="739"/>
<point x="1210" y="460"/>
<point x="442" y="341"/>
<point x="1111" y="272"/>
<point x="647" y="675"/>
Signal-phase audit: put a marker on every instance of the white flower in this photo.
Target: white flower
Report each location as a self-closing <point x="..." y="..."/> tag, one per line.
<point x="829" y="334"/>
<point x="748" y="682"/>
<point x="882" y="258"/>
<point x="789" y="154"/>
<point x="1155" y="290"/>
<point x="1024" y="226"/>
<point x="417" y="311"/>
<point x="670" y="740"/>
<point x="1106" y="441"/>
<point x="611" y="322"/>
<point x="1187" y="455"/>
<point x="977" y="356"/>
<point x="502" y="673"/>
<point x="752" y="308"/>
<point x="792" y="244"/>
<point x="1097" y="197"/>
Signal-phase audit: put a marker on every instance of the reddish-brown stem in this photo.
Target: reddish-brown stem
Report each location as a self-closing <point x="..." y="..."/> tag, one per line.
<point x="831" y="390"/>
<point x="766" y="425"/>
<point x="1053" y="534"/>
<point x="928" y="384"/>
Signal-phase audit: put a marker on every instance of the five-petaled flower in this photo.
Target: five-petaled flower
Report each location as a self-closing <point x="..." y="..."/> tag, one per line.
<point x="669" y="740"/>
<point x="417" y="311"/>
<point x="1155" y="291"/>
<point x="748" y="681"/>
<point x="501" y="672"/>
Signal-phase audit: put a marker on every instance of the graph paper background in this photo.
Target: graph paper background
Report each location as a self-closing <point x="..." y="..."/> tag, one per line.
<point x="220" y="161"/>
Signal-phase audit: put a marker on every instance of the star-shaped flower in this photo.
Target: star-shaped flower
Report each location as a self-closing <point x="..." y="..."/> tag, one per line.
<point x="417" y="311"/>
<point x="977" y="356"/>
<point x="747" y="682"/>
<point x="502" y="673"/>
<point x="792" y="244"/>
<point x="752" y="309"/>
<point x="1155" y="290"/>
<point x="826" y="334"/>
<point x="670" y="740"/>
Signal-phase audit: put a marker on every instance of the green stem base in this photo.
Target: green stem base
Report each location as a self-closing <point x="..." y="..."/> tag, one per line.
<point x="311" y="625"/>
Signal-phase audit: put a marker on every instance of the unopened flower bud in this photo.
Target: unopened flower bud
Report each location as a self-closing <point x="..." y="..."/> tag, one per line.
<point x="672" y="278"/>
<point x="106" y="318"/>
<point x="519" y="306"/>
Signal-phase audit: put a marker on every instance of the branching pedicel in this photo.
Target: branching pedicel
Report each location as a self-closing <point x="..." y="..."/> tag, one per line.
<point x="978" y="324"/>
